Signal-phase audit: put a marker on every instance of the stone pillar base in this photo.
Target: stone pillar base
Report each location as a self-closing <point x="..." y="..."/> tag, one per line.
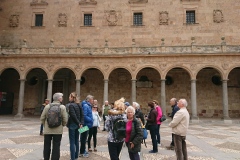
<point x="227" y="121"/>
<point x="19" y="116"/>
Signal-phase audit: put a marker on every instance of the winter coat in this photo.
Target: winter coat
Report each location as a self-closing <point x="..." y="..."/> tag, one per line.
<point x="55" y="130"/>
<point x="136" y="136"/>
<point x="75" y="115"/>
<point x="159" y="114"/>
<point x="87" y="112"/>
<point x="152" y="117"/>
<point x="140" y="115"/>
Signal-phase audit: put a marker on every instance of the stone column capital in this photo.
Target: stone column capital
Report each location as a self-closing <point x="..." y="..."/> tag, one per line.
<point x="22" y="79"/>
<point x="49" y="79"/>
<point x="105" y="80"/>
<point x="225" y="80"/>
<point x="133" y="80"/>
<point x="193" y="80"/>
<point x="77" y="79"/>
<point x="163" y="79"/>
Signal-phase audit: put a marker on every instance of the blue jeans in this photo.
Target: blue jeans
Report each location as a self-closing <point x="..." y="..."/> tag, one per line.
<point x="74" y="143"/>
<point x="158" y="134"/>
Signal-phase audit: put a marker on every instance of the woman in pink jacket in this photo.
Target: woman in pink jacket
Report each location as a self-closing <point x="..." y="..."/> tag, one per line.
<point x="159" y="111"/>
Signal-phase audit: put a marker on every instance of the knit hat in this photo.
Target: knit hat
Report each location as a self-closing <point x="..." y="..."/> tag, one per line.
<point x="127" y="104"/>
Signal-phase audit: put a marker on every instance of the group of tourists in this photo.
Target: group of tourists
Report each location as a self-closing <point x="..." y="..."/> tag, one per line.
<point x="124" y="123"/>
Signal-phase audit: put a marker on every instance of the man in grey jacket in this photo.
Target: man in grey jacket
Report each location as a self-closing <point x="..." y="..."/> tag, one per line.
<point x="179" y="126"/>
<point x="53" y="136"/>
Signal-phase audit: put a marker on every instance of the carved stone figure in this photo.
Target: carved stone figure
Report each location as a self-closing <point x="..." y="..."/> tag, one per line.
<point x="137" y="1"/>
<point x="14" y="20"/>
<point x="86" y="2"/>
<point x="217" y="16"/>
<point x="62" y="20"/>
<point x="111" y="17"/>
<point x="163" y="18"/>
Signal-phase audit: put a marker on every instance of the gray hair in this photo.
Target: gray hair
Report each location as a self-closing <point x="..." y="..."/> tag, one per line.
<point x="89" y="97"/>
<point x="184" y="102"/>
<point x="136" y="104"/>
<point x="57" y="96"/>
<point x="130" y="108"/>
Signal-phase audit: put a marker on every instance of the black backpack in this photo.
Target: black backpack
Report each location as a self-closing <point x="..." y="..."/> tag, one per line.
<point x="54" y="117"/>
<point x="119" y="129"/>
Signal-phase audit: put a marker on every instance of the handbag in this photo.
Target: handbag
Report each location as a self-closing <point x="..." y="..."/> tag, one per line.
<point x="147" y="126"/>
<point x="163" y="118"/>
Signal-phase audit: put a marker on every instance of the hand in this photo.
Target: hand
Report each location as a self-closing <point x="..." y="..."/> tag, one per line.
<point x="131" y="145"/>
<point x="80" y="126"/>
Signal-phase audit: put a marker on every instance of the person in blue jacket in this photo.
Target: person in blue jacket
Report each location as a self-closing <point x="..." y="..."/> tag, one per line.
<point x="88" y="121"/>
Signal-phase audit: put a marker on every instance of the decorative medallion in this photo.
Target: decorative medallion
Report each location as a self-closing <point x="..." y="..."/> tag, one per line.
<point x="137" y="1"/>
<point x="50" y="67"/>
<point x="106" y="67"/>
<point x="163" y="18"/>
<point x="111" y="17"/>
<point x="88" y="2"/>
<point x="193" y="66"/>
<point x="217" y="16"/>
<point x="14" y="20"/>
<point x="78" y="67"/>
<point x="133" y="67"/>
<point x="62" y="20"/>
<point x="22" y="67"/>
<point x="225" y="66"/>
<point x="163" y="66"/>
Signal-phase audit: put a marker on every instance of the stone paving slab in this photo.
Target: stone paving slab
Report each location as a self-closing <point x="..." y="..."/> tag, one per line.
<point x="210" y="140"/>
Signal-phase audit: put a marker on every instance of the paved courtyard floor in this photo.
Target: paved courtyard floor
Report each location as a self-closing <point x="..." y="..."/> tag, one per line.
<point x="208" y="140"/>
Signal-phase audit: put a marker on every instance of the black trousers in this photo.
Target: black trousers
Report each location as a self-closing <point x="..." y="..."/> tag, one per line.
<point x="172" y="143"/>
<point x="92" y="133"/>
<point x="104" y="119"/>
<point x="114" y="150"/>
<point x="180" y="147"/>
<point x="55" y="140"/>
<point x="152" y="129"/>
<point x="83" y="140"/>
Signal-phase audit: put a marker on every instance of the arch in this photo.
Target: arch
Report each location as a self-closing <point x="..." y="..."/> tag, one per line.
<point x="117" y="67"/>
<point x="62" y="67"/>
<point x="34" y="67"/>
<point x="178" y="66"/>
<point x="231" y="69"/>
<point x="211" y="66"/>
<point x="147" y="66"/>
<point x="90" y="67"/>
<point x="9" y="67"/>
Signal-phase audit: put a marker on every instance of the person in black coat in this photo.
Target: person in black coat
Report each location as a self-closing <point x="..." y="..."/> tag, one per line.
<point x="138" y="112"/>
<point x="75" y="121"/>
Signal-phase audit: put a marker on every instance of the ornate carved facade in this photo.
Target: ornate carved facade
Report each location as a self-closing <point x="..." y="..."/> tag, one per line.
<point x="97" y="50"/>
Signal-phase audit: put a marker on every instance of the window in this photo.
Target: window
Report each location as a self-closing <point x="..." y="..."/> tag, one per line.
<point x="39" y="20"/>
<point x="190" y="17"/>
<point x="137" y="19"/>
<point x="87" y="19"/>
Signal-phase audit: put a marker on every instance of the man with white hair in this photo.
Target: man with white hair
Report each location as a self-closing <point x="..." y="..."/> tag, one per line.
<point x="138" y="111"/>
<point x="53" y="135"/>
<point x="179" y="126"/>
<point x="105" y="108"/>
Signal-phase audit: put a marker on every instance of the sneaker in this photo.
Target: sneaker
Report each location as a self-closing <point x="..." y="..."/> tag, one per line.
<point x="152" y="151"/>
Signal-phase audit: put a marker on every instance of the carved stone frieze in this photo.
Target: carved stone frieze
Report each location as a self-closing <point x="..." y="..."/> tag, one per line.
<point x="88" y="2"/>
<point x="37" y="51"/>
<point x="78" y="67"/>
<point x="163" y="66"/>
<point x="225" y="66"/>
<point x="62" y="20"/>
<point x="119" y="50"/>
<point x="137" y="1"/>
<point x="92" y="51"/>
<point x="112" y="17"/>
<point x="22" y="67"/>
<point x="14" y="20"/>
<point x="147" y="50"/>
<point x="50" y="67"/>
<point x="105" y="67"/>
<point x="133" y="67"/>
<point x="217" y="16"/>
<point x="38" y="3"/>
<point x="64" y="51"/>
<point x="163" y="18"/>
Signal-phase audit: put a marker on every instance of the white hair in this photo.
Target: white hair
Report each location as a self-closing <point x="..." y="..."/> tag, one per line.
<point x="57" y="96"/>
<point x="184" y="102"/>
<point x="130" y="108"/>
<point x="89" y="97"/>
<point x="136" y="104"/>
